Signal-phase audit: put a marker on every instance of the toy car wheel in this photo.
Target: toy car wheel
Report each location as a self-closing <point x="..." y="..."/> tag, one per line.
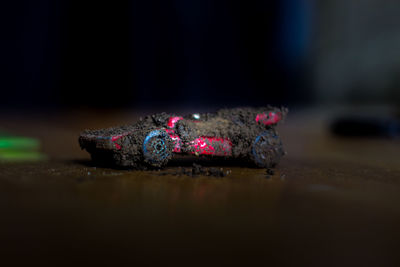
<point x="157" y="148"/>
<point x="266" y="150"/>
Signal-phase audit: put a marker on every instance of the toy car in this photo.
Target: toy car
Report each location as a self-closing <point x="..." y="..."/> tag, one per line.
<point x="243" y="133"/>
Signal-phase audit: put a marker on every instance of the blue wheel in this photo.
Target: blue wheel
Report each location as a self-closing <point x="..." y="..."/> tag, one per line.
<point x="157" y="148"/>
<point x="267" y="150"/>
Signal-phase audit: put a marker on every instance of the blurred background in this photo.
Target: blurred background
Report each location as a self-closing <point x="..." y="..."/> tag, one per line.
<point x="133" y="54"/>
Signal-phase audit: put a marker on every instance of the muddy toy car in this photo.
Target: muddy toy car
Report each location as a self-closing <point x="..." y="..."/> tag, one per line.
<point x="247" y="134"/>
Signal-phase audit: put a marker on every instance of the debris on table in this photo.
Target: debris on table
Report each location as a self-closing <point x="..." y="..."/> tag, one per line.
<point x="198" y="170"/>
<point x="269" y="172"/>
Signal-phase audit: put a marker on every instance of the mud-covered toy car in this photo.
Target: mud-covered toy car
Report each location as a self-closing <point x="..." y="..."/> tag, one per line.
<point x="247" y="134"/>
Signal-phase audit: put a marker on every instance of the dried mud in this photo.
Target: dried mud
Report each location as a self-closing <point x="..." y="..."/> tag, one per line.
<point x="254" y="143"/>
<point x="197" y="170"/>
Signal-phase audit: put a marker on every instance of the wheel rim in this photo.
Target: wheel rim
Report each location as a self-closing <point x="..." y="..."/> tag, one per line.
<point x="266" y="149"/>
<point x="155" y="147"/>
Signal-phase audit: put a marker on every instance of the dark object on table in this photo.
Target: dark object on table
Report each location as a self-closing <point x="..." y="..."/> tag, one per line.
<point x="196" y="169"/>
<point x="245" y="133"/>
<point x="366" y="126"/>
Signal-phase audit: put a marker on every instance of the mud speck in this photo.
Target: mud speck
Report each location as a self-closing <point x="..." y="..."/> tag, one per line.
<point x="269" y="173"/>
<point x="197" y="170"/>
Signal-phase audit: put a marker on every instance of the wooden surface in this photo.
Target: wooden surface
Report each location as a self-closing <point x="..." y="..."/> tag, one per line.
<point x="331" y="202"/>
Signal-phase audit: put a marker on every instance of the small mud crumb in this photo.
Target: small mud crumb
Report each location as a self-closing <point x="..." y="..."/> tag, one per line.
<point x="270" y="171"/>
<point x="198" y="170"/>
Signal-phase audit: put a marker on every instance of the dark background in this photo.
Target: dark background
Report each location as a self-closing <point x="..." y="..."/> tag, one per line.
<point x="141" y="53"/>
<point x="146" y="54"/>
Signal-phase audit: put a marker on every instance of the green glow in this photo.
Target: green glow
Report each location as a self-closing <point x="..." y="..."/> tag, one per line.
<point x="19" y="143"/>
<point x="7" y="155"/>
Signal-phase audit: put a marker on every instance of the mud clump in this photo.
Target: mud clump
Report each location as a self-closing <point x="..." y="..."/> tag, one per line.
<point x="197" y="170"/>
<point x="245" y="134"/>
<point x="269" y="172"/>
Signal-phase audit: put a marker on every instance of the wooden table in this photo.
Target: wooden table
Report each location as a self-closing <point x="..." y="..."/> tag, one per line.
<point x="331" y="202"/>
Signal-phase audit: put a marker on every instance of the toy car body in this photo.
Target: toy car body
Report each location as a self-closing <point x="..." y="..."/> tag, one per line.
<point x="244" y="133"/>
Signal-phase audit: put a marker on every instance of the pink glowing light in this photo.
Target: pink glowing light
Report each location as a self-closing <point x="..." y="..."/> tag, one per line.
<point x="270" y="118"/>
<point x="217" y="146"/>
<point x="173" y="120"/>
<point x="117" y="137"/>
